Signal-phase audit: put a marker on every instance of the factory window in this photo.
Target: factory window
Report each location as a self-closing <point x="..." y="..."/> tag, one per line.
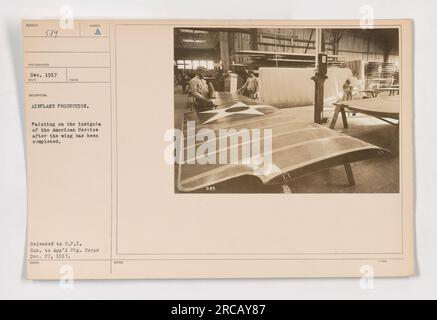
<point x="193" y="64"/>
<point x="180" y="64"/>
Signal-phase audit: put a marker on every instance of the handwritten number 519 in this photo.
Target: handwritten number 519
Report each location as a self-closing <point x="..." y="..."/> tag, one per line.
<point x="50" y="33"/>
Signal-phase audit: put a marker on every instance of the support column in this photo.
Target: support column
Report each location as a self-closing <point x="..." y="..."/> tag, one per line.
<point x="319" y="82"/>
<point x="224" y="50"/>
<point x="254" y="39"/>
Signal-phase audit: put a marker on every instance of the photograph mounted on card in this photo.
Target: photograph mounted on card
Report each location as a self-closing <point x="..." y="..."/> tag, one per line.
<point x="219" y="149"/>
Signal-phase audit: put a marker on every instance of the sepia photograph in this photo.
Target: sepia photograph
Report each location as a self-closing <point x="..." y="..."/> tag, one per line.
<point x="287" y="110"/>
<point x="218" y="156"/>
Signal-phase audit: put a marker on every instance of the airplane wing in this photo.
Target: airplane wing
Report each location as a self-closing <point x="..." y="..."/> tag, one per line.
<point x="298" y="148"/>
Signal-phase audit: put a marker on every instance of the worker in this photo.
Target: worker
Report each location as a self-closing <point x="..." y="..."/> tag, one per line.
<point x="201" y="90"/>
<point x="220" y="78"/>
<point x="184" y="82"/>
<point x="250" y="87"/>
<point x="347" y="90"/>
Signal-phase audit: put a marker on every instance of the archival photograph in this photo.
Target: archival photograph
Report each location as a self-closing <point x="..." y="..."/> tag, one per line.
<point x="286" y="110"/>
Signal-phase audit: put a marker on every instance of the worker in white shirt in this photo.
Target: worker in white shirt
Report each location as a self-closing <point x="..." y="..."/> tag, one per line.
<point x="201" y="90"/>
<point x="251" y="86"/>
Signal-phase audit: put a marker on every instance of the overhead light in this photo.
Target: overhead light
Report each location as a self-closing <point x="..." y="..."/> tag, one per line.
<point x="193" y="31"/>
<point x="193" y="40"/>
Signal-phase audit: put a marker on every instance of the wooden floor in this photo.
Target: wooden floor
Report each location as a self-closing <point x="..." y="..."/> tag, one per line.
<point x="371" y="176"/>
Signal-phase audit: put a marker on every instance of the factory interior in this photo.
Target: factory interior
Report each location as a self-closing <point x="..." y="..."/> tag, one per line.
<point x="345" y="80"/>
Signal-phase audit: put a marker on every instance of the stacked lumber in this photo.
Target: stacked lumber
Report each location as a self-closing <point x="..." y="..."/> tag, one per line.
<point x="380" y="75"/>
